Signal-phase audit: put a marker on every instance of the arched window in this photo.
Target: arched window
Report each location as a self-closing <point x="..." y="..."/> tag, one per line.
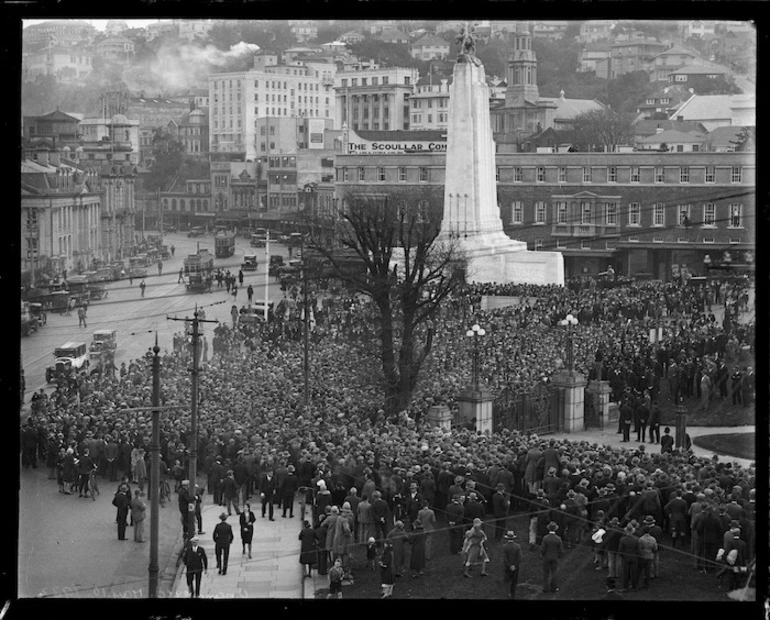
<point x="205" y="204"/>
<point x="181" y="205"/>
<point x="165" y="204"/>
<point x="173" y="204"/>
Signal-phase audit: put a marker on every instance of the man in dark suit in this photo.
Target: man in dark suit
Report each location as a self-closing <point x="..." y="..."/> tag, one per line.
<point x="267" y="491"/>
<point x="667" y="441"/>
<point x="223" y="538"/>
<point x="455" y="513"/>
<point x="230" y="493"/>
<point x="630" y="551"/>
<point x="551" y="549"/>
<point x="196" y="562"/>
<point x="500" y="505"/>
<point x="185" y="499"/>
<point x="626" y="417"/>
<point x="122" y="503"/>
<point x="288" y="491"/>
<point x="511" y="561"/>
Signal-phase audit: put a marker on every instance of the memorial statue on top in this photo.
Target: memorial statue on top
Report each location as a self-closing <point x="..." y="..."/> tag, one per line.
<point x="467" y="42"/>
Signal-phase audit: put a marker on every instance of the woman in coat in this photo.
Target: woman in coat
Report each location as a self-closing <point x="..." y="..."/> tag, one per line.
<point x="397" y="537"/>
<point x="343" y="537"/>
<point x="247" y="519"/>
<point x="320" y="542"/>
<point x="386" y="570"/>
<point x="473" y="548"/>
<point x="308" y="550"/>
<point x="417" y="556"/>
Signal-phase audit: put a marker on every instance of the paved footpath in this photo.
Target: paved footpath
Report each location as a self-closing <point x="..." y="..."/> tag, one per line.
<point x="273" y="571"/>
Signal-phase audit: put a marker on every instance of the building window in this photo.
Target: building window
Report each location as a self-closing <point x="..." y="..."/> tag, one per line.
<point x="540" y="174"/>
<point x="561" y="212"/>
<point x="684" y="174"/>
<point x="402" y="173"/>
<point x="562" y="174"/>
<point x="517" y="175"/>
<point x="517" y="212"/>
<point x="709" y="214"/>
<point x="497" y="174"/>
<point x="611" y="213"/>
<point x="361" y="174"/>
<point x="684" y="215"/>
<point x="540" y="212"/>
<point x="635" y="175"/>
<point x="736" y="176"/>
<point x="586" y="212"/>
<point x="538" y="245"/>
<point x="381" y="174"/>
<point x="560" y="245"/>
<point x="634" y="214"/>
<point x="710" y="174"/>
<point x="659" y="177"/>
<point x="423" y="174"/>
<point x="612" y="174"/>
<point x="708" y="239"/>
<point x="587" y="174"/>
<point x="659" y="214"/>
<point x="345" y="174"/>
<point x="735" y="215"/>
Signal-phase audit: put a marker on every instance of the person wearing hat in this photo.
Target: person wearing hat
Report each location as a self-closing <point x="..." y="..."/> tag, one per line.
<point x="267" y="491"/>
<point x="511" y="562"/>
<point x="398" y="538"/>
<point x="427" y="517"/>
<point x="196" y="562"/>
<point x="185" y="498"/>
<point x="387" y="575"/>
<point x="230" y="493"/>
<point x="289" y="488"/>
<point x="551" y="550"/>
<point x="612" y="594"/>
<point x="657" y="533"/>
<point x="246" y="521"/>
<point x="474" y="551"/>
<point x="417" y="541"/>
<point x="629" y="550"/>
<point x="455" y="514"/>
<point x="223" y="538"/>
<point x="500" y="507"/>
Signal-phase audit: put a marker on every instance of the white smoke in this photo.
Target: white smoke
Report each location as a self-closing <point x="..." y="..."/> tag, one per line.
<point x="181" y="67"/>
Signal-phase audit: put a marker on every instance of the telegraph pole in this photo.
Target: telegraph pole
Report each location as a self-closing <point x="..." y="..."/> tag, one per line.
<point x="154" y="486"/>
<point x="193" y="439"/>
<point x="267" y="273"/>
<point x="306" y="326"/>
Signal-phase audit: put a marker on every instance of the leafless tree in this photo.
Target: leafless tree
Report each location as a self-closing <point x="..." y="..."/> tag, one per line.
<point x="406" y="271"/>
<point x="601" y="130"/>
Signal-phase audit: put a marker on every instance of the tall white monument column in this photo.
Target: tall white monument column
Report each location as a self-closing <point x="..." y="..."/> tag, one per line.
<point x="471" y="214"/>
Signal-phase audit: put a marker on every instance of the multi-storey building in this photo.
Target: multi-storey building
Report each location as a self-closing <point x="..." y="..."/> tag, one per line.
<point x="639" y="212"/>
<point x="673" y="58"/>
<point x="594" y="31"/>
<point x="113" y="140"/>
<point x="375" y="99"/>
<point x="192" y="29"/>
<point x="60" y="213"/>
<point x="58" y="128"/>
<point x="429" y="106"/>
<point x="552" y="30"/>
<point x="239" y="100"/>
<point x="714" y="111"/>
<point x="67" y="63"/>
<point x="635" y="54"/>
<point x="194" y="132"/>
<point x="64" y="31"/>
<point x="118" y="49"/>
<point x="429" y="47"/>
<point x="595" y="57"/>
<point x="664" y="101"/>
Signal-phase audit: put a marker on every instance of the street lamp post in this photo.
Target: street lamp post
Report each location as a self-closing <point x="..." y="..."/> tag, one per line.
<point x="475" y="332"/>
<point x="569" y="322"/>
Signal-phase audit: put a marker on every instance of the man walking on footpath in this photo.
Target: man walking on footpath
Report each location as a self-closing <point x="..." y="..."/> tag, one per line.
<point x="82" y="316"/>
<point x="196" y="562"/>
<point x="121" y="502"/>
<point x="266" y="492"/>
<point x="181" y="276"/>
<point x="142" y="286"/>
<point x="138" y="509"/>
<point x="551" y="549"/>
<point x="223" y="538"/>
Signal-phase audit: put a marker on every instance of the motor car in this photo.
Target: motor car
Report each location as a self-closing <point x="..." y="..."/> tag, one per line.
<point x="276" y="262"/>
<point x="104" y="339"/>
<point x="250" y="262"/>
<point x="196" y="231"/>
<point x="70" y="356"/>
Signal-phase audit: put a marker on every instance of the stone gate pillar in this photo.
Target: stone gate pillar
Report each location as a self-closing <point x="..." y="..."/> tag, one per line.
<point x="572" y="386"/>
<point x="603" y="391"/>
<point x="477" y="404"/>
<point x="439" y="415"/>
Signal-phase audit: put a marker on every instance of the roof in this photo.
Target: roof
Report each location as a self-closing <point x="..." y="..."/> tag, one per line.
<point x="392" y="33"/>
<point x="419" y="136"/>
<point x="728" y="135"/>
<point x="57" y="116"/>
<point x="649" y="126"/>
<point x="710" y="107"/>
<point x="430" y="40"/>
<point x="676" y="49"/>
<point x="570" y="108"/>
<point x="673" y="136"/>
<point x="699" y="70"/>
<point x="115" y="39"/>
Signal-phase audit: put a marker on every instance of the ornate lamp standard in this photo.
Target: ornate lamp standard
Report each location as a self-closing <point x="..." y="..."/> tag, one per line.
<point x="475" y="332"/>
<point x="569" y="322"/>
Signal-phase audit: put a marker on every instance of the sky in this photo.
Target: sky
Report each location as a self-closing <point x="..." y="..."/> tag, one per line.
<point x="100" y="24"/>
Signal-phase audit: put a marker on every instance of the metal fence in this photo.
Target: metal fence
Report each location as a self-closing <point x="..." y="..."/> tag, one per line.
<point x="535" y="410"/>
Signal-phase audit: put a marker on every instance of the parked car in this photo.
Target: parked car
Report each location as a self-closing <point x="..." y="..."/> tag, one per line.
<point x="276" y="262"/>
<point x="68" y="357"/>
<point x="196" y="231"/>
<point x="249" y="262"/>
<point x="104" y="339"/>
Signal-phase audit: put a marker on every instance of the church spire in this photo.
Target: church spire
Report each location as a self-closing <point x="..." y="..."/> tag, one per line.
<point x="522" y="68"/>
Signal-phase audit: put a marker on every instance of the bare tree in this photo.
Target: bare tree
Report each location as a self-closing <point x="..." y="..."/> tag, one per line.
<point x="406" y="271"/>
<point x="601" y="130"/>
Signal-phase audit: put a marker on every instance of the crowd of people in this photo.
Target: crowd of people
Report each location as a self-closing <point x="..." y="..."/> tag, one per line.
<point x="368" y="482"/>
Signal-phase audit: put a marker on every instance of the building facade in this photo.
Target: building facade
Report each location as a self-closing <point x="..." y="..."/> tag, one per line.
<point x="635" y="54"/>
<point x="374" y="99"/>
<point x="429" y="47"/>
<point x="119" y="50"/>
<point x="67" y="63"/>
<point x="66" y="31"/>
<point x="648" y="213"/>
<point x="429" y="105"/>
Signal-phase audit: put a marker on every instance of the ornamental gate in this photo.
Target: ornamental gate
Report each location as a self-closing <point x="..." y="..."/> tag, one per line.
<point x="592" y="415"/>
<point x="537" y="410"/>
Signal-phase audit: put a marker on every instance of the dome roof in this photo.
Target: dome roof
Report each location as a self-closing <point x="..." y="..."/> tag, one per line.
<point x="197" y="112"/>
<point x="119" y="119"/>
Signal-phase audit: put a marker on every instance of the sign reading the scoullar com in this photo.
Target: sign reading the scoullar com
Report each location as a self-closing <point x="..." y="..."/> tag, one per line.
<point x="395" y="148"/>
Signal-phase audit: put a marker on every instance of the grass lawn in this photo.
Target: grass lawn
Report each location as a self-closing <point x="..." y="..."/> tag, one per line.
<point x="741" y="445"/>
<point x="577" y="578"/>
